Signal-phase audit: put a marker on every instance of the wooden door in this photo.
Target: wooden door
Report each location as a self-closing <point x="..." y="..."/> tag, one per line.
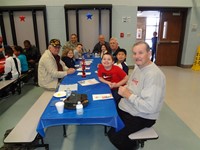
<point x="169" y="38"/>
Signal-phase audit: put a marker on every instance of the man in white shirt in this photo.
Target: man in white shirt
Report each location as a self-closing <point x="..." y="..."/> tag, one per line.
<point x="51" y="68"/>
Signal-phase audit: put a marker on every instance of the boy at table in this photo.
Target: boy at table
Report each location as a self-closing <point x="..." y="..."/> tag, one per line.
<point x="78" y="51"/>
<point x="112" y="75"/>
<point x="121" y="60"/>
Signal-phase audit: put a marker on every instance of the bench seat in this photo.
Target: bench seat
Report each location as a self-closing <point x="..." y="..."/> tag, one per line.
<point x="143" y="135"/>
<point x="25" y="130"/>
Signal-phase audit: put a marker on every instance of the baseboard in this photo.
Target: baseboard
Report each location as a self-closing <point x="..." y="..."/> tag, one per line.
<point x="185" y="66"/>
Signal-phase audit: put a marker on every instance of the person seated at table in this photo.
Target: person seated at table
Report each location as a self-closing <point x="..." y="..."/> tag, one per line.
<point x="18" y="51"/>
<point x="142" y="98"/>
<point x="12" y="69"/>
<point x="103" y="50"/>
<point x="97" y="47"/>
<point x="78" y="51"/>
<point x="2" y="53"/>
<point x="112" y="75"/>
<point x="121" y="60"/>
<point x="33" y="56"/>
<point x="114" y="46"/>
<point x="67" y="58"/>
<point x="51" y="68"/>
<point x="72" y="43"/>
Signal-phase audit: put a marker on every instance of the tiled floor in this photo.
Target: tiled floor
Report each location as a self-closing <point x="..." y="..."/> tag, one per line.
<point x="183" y="95"/>
<point x="178" y="125"/>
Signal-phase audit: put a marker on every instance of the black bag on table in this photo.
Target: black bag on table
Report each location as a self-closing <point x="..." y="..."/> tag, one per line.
<point x="72" y="100"/>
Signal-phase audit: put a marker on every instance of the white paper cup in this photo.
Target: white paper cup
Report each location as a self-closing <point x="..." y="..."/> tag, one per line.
<point x="60" y="107"/>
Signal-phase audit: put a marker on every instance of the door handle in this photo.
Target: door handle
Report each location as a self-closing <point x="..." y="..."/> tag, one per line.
<point x="168" y="42"/>
<point x="175" y="42"/>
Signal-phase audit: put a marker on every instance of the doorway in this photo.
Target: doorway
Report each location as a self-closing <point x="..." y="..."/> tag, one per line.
<point x="169" y="23"/>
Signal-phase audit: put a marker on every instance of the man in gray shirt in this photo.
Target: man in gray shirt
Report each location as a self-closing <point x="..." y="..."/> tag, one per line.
<point x="142" y="97"/>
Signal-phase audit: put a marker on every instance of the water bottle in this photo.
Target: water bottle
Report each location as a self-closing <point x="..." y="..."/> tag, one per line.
<point x="79" y="108"/>
<point x="3" y="78"/>
<point x="68" y="92"/>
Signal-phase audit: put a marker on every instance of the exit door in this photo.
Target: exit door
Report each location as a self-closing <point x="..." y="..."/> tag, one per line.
<point x="169" y="45"/>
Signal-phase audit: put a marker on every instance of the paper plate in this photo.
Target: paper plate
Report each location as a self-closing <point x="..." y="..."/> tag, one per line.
<point x="59" y="94"/>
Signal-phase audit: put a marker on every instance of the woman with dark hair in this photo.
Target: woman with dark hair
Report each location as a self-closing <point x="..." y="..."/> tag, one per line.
<point x="103" y="50"/>
<point x="18" y="51"/>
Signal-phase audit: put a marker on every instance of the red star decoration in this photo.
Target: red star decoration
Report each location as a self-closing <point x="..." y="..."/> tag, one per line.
<point x="22" y="18"/>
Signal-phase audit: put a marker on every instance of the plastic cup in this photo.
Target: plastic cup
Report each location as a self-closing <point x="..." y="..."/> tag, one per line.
<point x="60" y="107"/>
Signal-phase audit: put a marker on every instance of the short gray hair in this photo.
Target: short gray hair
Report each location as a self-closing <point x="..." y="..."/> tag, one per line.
<point x="142" y="42"/>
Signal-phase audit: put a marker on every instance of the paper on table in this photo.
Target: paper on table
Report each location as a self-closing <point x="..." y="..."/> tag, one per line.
<point x="89" y="61"/>
<point x="88" y="82"/>
<point x="72" y="87"/>
<point x="80" y="69"/>
<point x="102" y="96"/>
<point x="80" y="73"/>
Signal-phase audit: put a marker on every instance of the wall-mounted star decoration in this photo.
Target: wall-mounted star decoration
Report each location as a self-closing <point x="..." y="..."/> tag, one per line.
<point x="89" y="16"/>
<point x="22" y="18"/>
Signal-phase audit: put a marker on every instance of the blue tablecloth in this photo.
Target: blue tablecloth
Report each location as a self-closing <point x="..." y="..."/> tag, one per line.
<point x="96" y="112"/>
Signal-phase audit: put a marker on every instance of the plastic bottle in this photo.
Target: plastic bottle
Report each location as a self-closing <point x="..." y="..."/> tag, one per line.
<point x="68" y="92"/>
<point x="79" y="108"/>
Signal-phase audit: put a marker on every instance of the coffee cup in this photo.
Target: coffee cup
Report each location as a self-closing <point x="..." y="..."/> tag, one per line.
<point x="59" y="107"/>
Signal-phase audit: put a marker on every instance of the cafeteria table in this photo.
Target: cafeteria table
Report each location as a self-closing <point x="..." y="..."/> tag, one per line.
<point x="97" y="112"/>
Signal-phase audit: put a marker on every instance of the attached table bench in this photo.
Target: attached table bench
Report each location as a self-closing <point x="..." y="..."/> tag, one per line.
<point x="143" y="135"/>
<point x="25" y="131"/>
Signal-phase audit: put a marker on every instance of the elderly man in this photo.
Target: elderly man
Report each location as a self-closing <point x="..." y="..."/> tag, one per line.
<point x="51" y="68"/>
<point x="97" y="47"/>
<point x="114" y="46"/>
<point x="142" y="97"/>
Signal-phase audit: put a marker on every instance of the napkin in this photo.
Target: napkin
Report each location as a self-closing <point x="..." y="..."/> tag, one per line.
<point x="80" y="69"/>
<point x="102" y="96"/>
<point x="88" y="82"/>
<point x="80" y="73"/>
<point x="72" y="87"/>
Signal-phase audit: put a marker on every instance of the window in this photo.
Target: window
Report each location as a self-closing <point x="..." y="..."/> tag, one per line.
<point x="152" y="24"/>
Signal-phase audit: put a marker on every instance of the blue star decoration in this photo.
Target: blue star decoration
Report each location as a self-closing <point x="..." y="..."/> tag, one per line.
<point x="89" y="16"/>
